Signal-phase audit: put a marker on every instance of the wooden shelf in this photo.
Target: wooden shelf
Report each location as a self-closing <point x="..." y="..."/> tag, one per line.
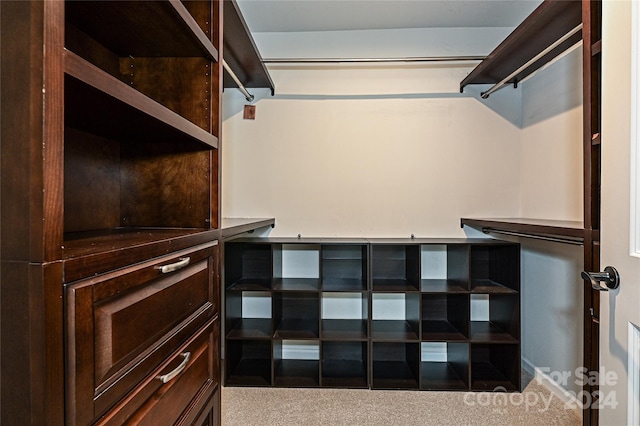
<point x="394" y="374"/>
<point x="142" y="28"/>
<point x="393" y="330"/>
<point x="112" y="101"/>
<point x="441" y="376"/>
<point x="230" y="227"/>
<point x="440" y="330"/>
<point x="490" y="286"/>
<point x="344" y="284"/>
<point x="297" y="373"/>
<point x="250" y="328"/>
<point x="488" y="332"/>
<point x="341" y="373"/>
<point x="547" y="24"/>
<point x="442" y="286"/>
<point x="296" y="284"/>
<point x="571" y="232"/>
<point x="344" y="329"/>
<point x="241" y="53"/>
<point x="296" y="328"/>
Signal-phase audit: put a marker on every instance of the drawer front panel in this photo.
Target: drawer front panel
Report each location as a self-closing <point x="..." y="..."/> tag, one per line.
<point x="123" y="325"/>
<point x="184" y="395"/>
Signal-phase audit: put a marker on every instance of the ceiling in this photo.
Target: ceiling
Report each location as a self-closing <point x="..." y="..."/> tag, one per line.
<point x="335" y="15"/>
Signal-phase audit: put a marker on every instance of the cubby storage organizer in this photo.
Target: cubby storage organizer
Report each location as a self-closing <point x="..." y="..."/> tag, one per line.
<point x="423" y="314"/>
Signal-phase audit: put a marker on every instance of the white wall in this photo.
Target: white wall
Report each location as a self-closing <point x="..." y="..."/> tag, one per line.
<point x="551" y="188"/>
<point x="396" y="150"/>
<point x="372" y="151"/>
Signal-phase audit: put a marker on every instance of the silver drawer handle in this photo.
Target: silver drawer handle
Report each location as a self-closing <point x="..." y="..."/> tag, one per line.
<point x="184" y="261"/>
<point x="169" y="376"/>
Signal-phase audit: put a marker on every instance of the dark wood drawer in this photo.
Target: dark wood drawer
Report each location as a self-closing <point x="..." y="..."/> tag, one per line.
<point x="122" y="325"/>
<point x="181" y="391"/>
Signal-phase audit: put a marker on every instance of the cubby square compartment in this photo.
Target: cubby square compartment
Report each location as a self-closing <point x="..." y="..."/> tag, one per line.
<point x="296" y="363"/>
<point x="344" y="267"/>
<point x="395" y="316"/>
<point x="445" y="317"/>
<point x="296" y="315"/>
<point x="495" y="318"/>
<point x="445" y="366"/>
<point x="395" y="267"/>
<point x="495" y="268"/>
<point x="444" y="268"/>
<point x="248" y="363"/>
<point x="344" y="364"/>
<point x="396" y="365"/>
<point x="296" y="267"/>
<point x="248" y="266"/>
<point x="495" y="367"/>
<point x="248" y="315"/>
<point x="344" y="316"/>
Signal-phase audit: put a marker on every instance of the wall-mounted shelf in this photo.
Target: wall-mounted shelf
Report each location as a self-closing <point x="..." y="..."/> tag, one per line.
<point x="241" y="53"/>
<point x="231" y="227"/>
<point x="562" y="231"/>
<point x="552" y="20"/>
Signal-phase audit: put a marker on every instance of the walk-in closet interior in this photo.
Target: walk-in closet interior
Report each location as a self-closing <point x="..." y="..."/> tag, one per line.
<point x="191" y="201"/>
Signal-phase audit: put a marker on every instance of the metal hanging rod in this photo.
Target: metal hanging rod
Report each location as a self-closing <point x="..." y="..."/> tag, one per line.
<point x="371" y="60"/>
<point x="505" y="81"/>
<point x="248" y="96"/>
<point x="567" y="240"/>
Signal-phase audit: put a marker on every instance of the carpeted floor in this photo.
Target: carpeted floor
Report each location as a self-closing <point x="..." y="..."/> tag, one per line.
<point x="335" y="407"/>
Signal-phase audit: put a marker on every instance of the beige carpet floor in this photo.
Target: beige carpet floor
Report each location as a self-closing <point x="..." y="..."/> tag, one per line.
<point x="336" y="407"/>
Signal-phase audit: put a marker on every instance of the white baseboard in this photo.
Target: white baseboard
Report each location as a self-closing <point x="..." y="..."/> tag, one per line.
<point x="543" y="378"/>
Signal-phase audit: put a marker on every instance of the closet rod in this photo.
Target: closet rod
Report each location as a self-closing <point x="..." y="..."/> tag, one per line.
<point x="499" y="85"/>
<point x="248" y="96"/>
<point x="371" y="60"/>
<point x="566" y="240"/>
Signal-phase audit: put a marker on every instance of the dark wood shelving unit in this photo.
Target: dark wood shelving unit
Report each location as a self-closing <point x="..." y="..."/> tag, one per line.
<point x="112" y="134"/>
<point x="373" y="345"/>
<point x="241" y="53"/>
<point x="546" y="24"/>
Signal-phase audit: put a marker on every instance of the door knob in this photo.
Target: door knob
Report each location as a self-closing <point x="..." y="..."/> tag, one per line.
<point x="603" y="281"/>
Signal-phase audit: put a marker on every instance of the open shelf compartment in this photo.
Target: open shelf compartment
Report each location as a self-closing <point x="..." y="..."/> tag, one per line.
<point x="395" y="316"/>
<point x="296" y="315"/>
<point x="495" y="367"/>
<point x="495" y="268"/>
<point x="444" y="366"/>
<point x="344" y="267"/>
<point x="248" y="266"/>
<point x="248" y="315"/>
<point x="395" y="267"/>
<point x="344" y="316"/>
<point x="296" y="363"/>
<point x="502" y="321"/>
<point x="344" y="364"/>
<point x="396" y="365"/>
<point x="248" y="363"/>
<point x="445" y="317"/>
